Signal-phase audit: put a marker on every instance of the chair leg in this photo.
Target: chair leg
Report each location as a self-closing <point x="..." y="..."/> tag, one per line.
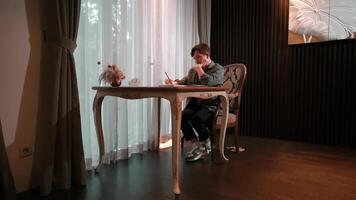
<point x="236" y="133"/>
<point x="213" y="144"/>
<point x="182" y="143"/>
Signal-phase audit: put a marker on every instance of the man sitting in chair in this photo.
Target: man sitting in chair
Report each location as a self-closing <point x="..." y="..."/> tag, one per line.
<point x="198" y="115"/>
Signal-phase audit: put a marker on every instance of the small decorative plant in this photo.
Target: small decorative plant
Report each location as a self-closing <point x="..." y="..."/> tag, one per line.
<point x="112" y="75"/>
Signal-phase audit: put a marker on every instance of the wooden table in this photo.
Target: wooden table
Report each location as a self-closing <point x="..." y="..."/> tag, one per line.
<point x="175" y="95"/>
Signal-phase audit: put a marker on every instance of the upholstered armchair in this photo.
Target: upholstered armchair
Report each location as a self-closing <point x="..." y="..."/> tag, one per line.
<point x="234" y="79"/>
<point x="235" y="75"/>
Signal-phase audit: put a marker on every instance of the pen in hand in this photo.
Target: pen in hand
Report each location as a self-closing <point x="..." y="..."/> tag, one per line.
<point x="169" y="79"/>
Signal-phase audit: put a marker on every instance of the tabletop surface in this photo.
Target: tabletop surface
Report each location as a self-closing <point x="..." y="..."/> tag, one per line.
<point x="167" y="88"/>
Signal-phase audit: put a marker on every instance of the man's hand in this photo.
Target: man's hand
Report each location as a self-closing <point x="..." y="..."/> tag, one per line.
<point x="198" y="68"/>
<point x="168" y="82"/>
<point x="171" y="82"/>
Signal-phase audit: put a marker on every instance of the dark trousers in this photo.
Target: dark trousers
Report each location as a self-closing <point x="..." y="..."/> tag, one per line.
<point x="198" y="117"/>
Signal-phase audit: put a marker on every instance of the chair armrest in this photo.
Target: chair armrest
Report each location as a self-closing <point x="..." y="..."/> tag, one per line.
<point x="233" y="95"/>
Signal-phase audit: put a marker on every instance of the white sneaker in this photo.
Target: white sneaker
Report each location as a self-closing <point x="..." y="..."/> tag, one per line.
<point x="207" y="146"/>
<point x="196" y="155"/>
<point x="195" y="158"/>
<point x="192" y="152"/>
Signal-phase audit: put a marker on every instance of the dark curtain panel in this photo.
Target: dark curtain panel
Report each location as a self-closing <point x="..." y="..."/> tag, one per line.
<point x="61" y="148"/>
<point x="255" y="33"/>
<point x="322" y="95"/>
<point x="7" y="187"/>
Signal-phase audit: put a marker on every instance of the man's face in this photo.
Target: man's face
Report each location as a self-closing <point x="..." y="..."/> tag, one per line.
<point x="200" y="58"/>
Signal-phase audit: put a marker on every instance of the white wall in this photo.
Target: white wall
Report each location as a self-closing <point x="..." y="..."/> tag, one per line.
<point x="20" y="54"/>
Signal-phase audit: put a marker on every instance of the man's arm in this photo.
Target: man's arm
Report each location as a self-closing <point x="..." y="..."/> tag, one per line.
<point x="213" y="78"/>
<point x="182" y="81"/>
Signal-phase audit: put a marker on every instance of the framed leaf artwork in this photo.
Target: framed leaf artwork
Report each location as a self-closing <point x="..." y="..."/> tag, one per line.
<point x="321" y="20"/>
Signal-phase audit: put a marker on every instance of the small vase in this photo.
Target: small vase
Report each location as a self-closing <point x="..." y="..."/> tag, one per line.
<point x="116" y="83"/>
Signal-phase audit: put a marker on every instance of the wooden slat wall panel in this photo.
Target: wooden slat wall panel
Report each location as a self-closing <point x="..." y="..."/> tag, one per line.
<point x="322" y="93"/>
<point x="287" y="93"/>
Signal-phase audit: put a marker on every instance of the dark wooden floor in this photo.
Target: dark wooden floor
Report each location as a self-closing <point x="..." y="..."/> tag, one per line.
<point x="268" y="169"/>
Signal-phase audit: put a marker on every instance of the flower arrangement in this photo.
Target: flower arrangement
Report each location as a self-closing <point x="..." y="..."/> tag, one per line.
<point x="113" y="75"/>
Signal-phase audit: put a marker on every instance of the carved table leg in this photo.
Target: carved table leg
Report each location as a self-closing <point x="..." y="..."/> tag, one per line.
<point x="98" y="100"/>
<point x="224" y="102"/>
<point x="158" y="122"/>
<point x="176" y="111"/>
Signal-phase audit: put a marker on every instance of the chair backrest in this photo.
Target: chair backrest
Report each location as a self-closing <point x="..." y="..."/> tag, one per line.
<point x="235" y="75"/>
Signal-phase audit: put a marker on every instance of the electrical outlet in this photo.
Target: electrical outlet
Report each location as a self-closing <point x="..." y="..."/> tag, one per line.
<point x="25" y="152"/>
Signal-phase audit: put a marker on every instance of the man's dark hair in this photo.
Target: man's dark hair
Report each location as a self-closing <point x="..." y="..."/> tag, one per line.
<point x="201" y="48"/>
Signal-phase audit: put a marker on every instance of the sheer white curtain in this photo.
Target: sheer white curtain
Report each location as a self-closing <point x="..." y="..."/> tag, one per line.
<point x="145" y="38"/>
